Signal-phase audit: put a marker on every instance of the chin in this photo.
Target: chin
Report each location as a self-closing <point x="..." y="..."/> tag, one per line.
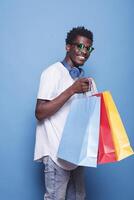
<point x="79" y="63"/>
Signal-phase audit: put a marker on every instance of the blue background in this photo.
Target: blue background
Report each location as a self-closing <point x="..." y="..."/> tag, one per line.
<point x="32" y="35"/>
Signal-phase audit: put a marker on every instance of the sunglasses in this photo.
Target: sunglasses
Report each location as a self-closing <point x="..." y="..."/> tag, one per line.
<point x="81" y="46"/>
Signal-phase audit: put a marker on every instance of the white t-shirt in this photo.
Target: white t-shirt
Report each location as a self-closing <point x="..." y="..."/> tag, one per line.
<point x="54" y="80"/>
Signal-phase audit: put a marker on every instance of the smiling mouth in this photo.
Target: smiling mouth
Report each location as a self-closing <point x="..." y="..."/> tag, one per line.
<point x="81" y="58"/>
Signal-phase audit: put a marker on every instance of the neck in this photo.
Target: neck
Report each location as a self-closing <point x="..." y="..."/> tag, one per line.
<point x="69" y="61"/>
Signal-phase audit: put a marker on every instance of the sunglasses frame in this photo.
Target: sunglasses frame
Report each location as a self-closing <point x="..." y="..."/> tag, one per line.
<point x="81" y="46"/>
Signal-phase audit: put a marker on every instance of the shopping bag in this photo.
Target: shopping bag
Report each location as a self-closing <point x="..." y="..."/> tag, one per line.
<point x="79" y="142"/>
<point x="119" y="135"/>
<point x="106" y="151"/>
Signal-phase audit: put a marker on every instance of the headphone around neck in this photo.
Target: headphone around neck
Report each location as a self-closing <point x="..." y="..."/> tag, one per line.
<point x="75" y="72"/>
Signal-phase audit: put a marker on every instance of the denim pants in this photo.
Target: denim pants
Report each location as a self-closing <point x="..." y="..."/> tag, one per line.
<point x="62" y="184"/>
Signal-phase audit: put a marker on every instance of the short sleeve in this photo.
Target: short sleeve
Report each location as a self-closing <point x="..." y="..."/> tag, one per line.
<point x="48" y="85"/>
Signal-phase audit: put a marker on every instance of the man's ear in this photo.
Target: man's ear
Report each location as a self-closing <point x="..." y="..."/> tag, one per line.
<point x="68" y="46"/>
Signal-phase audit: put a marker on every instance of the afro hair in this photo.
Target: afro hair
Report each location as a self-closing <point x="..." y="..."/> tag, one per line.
<point x="80" y="30"/>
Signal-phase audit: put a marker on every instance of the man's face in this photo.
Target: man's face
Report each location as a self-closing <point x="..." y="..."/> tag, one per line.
<point x="75" y="55"/>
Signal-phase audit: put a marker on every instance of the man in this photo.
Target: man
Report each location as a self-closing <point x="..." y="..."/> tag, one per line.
<point x="59" y="83"/>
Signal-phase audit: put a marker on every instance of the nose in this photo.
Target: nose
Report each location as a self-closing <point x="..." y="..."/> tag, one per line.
<point x="84" y="51"/>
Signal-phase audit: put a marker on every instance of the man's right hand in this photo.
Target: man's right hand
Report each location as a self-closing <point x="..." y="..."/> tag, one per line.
<point x="81" y="85"/>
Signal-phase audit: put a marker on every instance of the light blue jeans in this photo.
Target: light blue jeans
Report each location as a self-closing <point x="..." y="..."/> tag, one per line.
<point x="62" y="184"/>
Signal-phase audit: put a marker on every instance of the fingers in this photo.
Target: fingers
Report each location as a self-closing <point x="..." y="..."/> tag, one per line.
<point x="85" y="89"/>
<point x="82" y="85"/>
<point x="86" y="84"/>
<point x="84" y="80"/>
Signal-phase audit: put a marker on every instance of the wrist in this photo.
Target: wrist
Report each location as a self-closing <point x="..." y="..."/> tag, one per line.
<point x="71" y="91"/>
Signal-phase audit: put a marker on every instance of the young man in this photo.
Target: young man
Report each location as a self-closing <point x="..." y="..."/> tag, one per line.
<point x="58" y="85"/>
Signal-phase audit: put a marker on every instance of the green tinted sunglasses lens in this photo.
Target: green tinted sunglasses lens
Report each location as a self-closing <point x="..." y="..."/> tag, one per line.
<point x="80" y="46"/>
<point x="90" y="49"/>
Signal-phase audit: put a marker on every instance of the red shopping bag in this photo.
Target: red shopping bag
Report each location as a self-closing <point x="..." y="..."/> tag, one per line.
<point x="106" y="150"/>
<point x="121" y="142"/>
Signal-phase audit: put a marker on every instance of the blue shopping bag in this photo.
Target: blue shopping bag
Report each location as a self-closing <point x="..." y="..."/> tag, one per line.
<point x="80" y="138"/>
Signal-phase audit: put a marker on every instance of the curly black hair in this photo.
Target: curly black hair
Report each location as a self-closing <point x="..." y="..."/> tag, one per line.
<point x="80" y="30"/>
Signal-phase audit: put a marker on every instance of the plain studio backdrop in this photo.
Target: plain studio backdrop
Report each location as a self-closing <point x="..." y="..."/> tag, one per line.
<point x="32" y="35"/>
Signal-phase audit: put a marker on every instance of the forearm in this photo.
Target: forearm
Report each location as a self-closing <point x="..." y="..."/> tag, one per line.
<point x="45" y="109"/>
<point x="49" y="108"/>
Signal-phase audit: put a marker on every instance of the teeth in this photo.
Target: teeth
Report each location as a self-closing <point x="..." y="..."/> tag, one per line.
<point x="81" y="57"/>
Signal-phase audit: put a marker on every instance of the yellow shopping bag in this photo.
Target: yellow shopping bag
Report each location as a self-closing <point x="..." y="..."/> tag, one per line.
<point x="119" y="135"/>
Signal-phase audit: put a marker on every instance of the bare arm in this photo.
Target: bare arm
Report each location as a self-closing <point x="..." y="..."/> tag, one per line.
<point x="45" y="108"/>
